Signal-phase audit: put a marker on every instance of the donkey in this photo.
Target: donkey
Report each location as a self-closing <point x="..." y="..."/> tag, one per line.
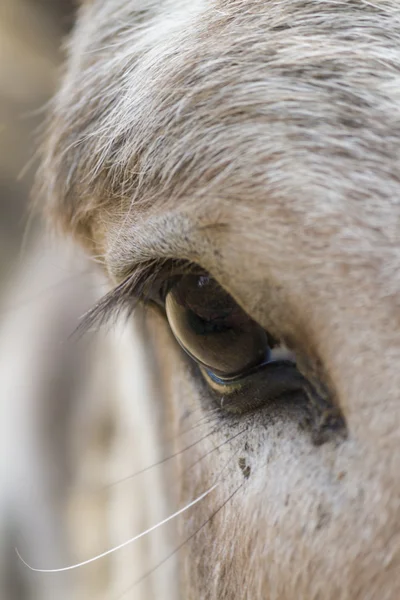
<point x="232" y="169"/>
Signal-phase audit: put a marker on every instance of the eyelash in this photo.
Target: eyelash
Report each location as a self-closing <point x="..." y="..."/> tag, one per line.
<point x="148" y="284"/>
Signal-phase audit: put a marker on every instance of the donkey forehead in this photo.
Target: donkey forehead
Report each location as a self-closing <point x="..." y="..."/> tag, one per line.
<point x="272" y="117"/>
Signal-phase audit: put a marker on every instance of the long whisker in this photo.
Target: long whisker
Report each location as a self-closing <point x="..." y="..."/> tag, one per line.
<point x="186" y="541"/>
<point x="124" y="544"/>
<point x="160" y="462"/>
<point x="217" y="480"/>
<point x="216" y="448"/>
<point x="205" y="420"/>
<point x="200" y="409"/>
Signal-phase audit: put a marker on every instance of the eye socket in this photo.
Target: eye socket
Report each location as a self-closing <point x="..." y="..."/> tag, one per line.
<point x="213" y="329"/>
<point x="244" y="366"/>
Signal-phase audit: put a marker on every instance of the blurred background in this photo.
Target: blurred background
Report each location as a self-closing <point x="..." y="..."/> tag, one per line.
<point x="31" y="32"/>
<point x="65" y="432"/>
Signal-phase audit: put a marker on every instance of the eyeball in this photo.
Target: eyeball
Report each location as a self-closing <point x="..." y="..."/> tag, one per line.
<point x="213" y="329"/>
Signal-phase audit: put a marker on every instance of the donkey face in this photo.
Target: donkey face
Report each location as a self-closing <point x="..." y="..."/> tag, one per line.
<point x="235" y="164"/>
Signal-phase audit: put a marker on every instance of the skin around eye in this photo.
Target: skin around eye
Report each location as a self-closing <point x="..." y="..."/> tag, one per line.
<point x="213" y="329"/>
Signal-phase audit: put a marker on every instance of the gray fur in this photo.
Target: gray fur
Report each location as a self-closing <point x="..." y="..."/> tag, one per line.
<point x="259" y="139"/>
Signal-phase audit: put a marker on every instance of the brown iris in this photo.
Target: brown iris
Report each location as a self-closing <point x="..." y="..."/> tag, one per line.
<point x="213" y="329"/>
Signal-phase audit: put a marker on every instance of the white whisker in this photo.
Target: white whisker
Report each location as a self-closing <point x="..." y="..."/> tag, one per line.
<point x="124" y="544"/>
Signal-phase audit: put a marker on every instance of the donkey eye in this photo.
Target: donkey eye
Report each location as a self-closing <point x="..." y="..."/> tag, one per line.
<point x="213" y="329"/>
<point x="243" y="365"/>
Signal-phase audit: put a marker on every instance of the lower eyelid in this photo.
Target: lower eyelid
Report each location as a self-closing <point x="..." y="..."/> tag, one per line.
<point x="279" y="354"/>
<point x="268" y="384"/>
<point x="275" y="376"/>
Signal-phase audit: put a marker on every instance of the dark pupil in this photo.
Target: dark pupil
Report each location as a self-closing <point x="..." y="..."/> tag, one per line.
<point x="212" y="328"/>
